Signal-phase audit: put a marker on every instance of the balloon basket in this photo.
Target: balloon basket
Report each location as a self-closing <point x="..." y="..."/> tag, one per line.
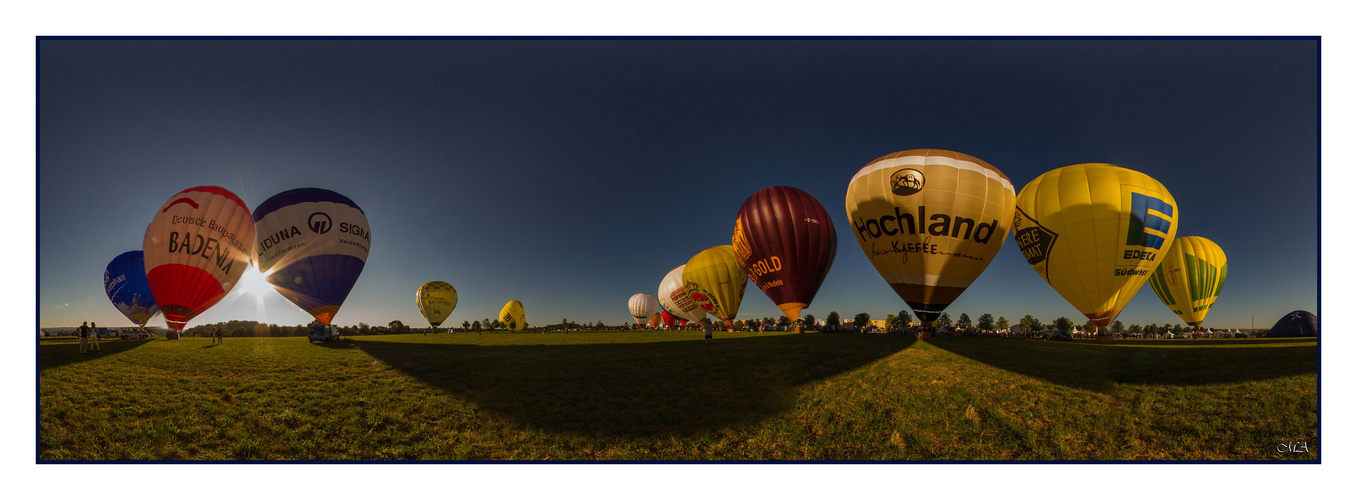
<point x="800" y="330"/>
<point x="926" y="335"/>
<point x="1103" y="338"/>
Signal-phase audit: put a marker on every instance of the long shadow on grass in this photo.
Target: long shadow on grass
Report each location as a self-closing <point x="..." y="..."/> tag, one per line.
<point x="54" y="354"/>
<point x="645" y="389"/>
<point x="1094" y="366"/>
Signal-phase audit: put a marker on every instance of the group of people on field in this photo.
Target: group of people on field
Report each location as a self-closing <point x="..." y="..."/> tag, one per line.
<point x="86" y="331"/>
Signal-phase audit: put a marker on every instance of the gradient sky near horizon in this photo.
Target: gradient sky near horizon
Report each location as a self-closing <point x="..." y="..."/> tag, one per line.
<point x="572" y="173"/>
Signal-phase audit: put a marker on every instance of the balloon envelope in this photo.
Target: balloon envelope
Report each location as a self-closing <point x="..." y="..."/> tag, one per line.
<point x="436" y="300"/>
<point x="930" y="221"/>
<point x="126" y="286"/>
<point x="667" y="318"/>
<point x="313" y="244"/>
<point x="1095" y="232"/>
<point x="714" y="280"/>
<point x="675" y="298"/>
<point x="785" y="242"/>
<point x="655" y="320"/>
<point x="195" y="249"/>
<point x="512" y="317"/>
<point x="1190" y="277"/>
<point x="1296" y="324"/>
<point x="642" y="306"/>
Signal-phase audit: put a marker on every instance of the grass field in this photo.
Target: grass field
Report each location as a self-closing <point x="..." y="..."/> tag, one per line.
<point x="667" y="396"/>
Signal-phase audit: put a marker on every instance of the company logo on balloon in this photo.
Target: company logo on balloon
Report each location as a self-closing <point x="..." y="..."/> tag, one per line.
<point x="1142" y="220"/>
<point x="905" y="182"/>
<point x="321" y="224"/>
<point x="189" y="201"/>
<point x="955" y="226"/>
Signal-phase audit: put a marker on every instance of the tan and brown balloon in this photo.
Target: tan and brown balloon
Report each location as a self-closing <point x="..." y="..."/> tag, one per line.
<point x="930" y="221"/>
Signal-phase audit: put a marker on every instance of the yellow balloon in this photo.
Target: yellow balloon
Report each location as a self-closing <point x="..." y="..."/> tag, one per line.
<point x="715" y="281"/>
<point x="512" y="317"/>
<point x="436" y="300"/>
<point x="1190" y="278"/>
<point x="1095" y="232"/>
<point x="930" y="221"/>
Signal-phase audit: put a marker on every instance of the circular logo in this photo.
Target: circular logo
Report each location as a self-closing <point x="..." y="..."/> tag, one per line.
<point x="319" y="223"/>
<point x="907" y="181"/>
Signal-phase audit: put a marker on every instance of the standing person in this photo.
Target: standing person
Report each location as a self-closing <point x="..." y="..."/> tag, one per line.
<point x="94" y="332"/>
<point x="706" y="331"/>
<point x="216" y="336"/>
<point x="83" y="333"/>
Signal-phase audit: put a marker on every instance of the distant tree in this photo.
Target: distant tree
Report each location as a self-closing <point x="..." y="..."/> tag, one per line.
<point x="364" y="328"/>
<point x="1134" y="329"/>
<point x="861" y="319"/>
<point x="1118" y="327"/>
<point x="485" y="323"/>
<point x="600" y="325"/>
<point x="986" y="322"/>
<point x="944" y="320"/>
<point x="495" y="324"/>
<point x="1153" y="329"/>
<point x="466" y="325"/>
<point x="890" y="321"/>
<point x="903" y="317"/>
<point x="476" y="325"/>
<point x="565" y="324"/>
<point x="808" y="322"/>
<point x="1177" y="328"/>
<point x="1090" y="327"/>
<point x="1030" y="323"/>
<point x="963" y="322"/>
<point x="783" y="322"/>
<point x="1001" y="323"/>
<point x="832" y="320"/>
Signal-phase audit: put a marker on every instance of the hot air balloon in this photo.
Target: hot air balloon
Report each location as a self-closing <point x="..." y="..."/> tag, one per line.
<point x="1095" y="232"/>
<point x="642" y="306"/>
<point x="126" y="286"/>
<point x="312" y="246"/>
<point x="785" y="242"/>
<point x="714" y="280"/>
<point x="436" y="300"/>
<point x="676" y="300"/>
<point x="667" y="318"/>
<point x="1189" y="277"/>
<point x="512" y="317"/>
<point x="196" y="247"/>
<point x="930" y="221"/>
<point x="655" y="321"/>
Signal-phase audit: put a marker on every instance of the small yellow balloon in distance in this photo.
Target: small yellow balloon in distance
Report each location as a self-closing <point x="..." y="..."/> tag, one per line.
<point x="436" y="300"/>
<point x="1190" y="278"/>
<point x="512" y="317"/>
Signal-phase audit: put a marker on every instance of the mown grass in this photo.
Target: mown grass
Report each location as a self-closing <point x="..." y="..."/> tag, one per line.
<point x="667" y="396"/>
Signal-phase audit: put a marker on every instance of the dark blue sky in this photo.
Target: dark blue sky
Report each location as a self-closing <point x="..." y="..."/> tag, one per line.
<point x="570" y="174"/>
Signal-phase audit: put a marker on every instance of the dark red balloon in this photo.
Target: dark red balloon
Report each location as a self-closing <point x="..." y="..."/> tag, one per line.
<point x="785" y="241"/>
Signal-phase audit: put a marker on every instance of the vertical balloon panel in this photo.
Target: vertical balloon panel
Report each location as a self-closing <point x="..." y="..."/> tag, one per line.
<point x="313" y="244"/>
<point x="1095" y="232"/>
<point x="195" y="249"/>
<point x="126" y="286"/>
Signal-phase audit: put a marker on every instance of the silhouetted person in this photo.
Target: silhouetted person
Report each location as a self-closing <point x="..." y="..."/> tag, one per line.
<point x="94" y="332"/>
<point x="83" y="332"/>
<point x="706" y="331"/>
